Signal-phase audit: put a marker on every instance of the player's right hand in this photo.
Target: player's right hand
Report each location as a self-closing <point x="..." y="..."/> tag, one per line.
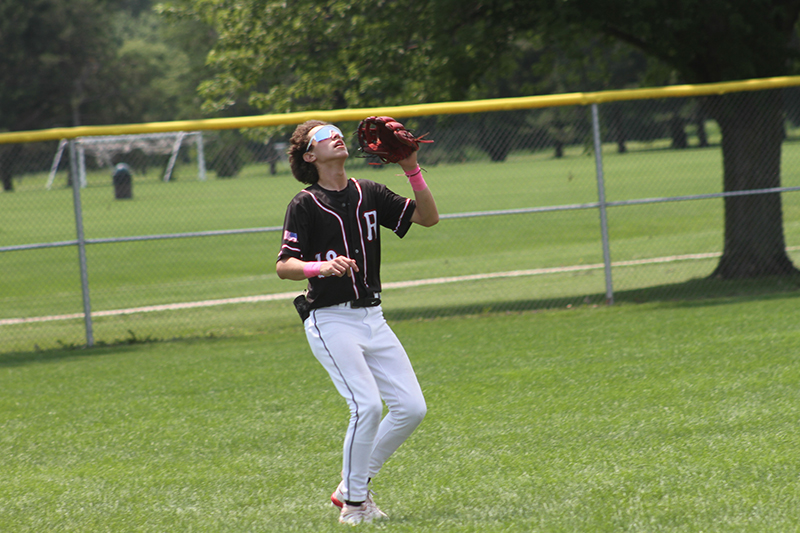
<point x="338" y="267"/>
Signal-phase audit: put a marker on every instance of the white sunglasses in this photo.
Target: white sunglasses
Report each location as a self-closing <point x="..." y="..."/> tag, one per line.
<point x="325" y="132"/>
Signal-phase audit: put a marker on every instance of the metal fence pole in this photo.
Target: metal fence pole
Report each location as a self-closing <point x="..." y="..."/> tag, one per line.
<point x="601" y="199"/>
<point x="201" y="158"/>
<point x="76" y="199"/>
<point x="82" y="165"/>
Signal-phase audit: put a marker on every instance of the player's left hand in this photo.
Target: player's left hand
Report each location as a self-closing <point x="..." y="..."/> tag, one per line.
<point x="409" y="164"/>
<point x="387" y="139"/>
<point x="338" y="267"/>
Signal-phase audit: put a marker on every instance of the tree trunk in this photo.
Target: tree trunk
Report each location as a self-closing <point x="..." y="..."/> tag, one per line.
<point x="699" y="119"/>
<point x="616" y="127"/>
<point x="680" y="140"/>
<point x="8" y="158"/>
<point x="5" y="179"/>
<point x="752" y="134"/>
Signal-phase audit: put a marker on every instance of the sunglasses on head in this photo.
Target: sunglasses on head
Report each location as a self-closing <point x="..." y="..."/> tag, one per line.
<point x="325" y="132"/>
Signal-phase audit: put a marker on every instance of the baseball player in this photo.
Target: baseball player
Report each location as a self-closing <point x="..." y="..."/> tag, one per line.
<point x="331" y="239"/>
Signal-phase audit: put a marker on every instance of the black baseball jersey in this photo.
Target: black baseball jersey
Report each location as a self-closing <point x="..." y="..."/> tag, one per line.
<point x="321" y="225"/>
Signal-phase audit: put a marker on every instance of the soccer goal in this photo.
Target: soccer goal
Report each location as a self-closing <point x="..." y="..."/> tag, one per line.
<point x="107" y="151"/>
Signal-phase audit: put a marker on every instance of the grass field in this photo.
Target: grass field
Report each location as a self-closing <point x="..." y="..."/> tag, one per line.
<point x="674" y="410"/>
<point x="662" y="416"/>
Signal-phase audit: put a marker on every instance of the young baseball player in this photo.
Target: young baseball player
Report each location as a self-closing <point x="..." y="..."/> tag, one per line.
<point x="331" y="239"/>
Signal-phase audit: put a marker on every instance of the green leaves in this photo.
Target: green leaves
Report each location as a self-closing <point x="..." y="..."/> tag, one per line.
<point x="52" y="51"/>
<point x="290" y="56"/>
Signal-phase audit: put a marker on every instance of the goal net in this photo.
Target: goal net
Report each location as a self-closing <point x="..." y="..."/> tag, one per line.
<point x="109" y="150"/>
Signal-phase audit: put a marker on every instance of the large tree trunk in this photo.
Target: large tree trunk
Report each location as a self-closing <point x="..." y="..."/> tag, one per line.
<point x="752" y="134"/>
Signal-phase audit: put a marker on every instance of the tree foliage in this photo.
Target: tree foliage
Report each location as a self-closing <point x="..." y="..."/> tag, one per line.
<point x="51" y="55"/>
<point x="52" y="52"/>
<point x="277" y="57"/>
<point x="288" y="56"/>
<point x="156" y="70"/>
<point x="75" y="62"/>
<point x="703" y="40"/>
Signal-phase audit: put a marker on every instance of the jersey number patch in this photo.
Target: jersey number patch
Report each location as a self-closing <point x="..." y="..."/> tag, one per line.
<point x="330" y="256"/>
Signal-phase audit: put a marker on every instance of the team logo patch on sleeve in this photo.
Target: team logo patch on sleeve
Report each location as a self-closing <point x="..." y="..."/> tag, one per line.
<point x="290" y="236"/>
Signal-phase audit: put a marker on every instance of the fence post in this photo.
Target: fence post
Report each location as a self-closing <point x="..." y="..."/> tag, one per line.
<point x="201" y="158"/>
<point x="76" y="200"/>
<point x="81" y="166"/>
<point x="601" y="200"/>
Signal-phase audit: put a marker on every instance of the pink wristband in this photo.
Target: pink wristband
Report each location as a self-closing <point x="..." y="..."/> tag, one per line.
<point x="311" y="270"/>
<point x="416" y="180"/>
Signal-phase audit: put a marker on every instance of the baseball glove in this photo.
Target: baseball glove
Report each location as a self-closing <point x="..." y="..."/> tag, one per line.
<point x="387" y="139"/>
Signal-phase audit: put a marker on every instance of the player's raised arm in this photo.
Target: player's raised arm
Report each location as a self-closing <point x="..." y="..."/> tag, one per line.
<point x="389" y="140"/>
<point x="426" y="214"/>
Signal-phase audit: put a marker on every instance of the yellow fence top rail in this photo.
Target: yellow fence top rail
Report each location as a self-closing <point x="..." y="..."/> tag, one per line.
<point x="444" y="108"/>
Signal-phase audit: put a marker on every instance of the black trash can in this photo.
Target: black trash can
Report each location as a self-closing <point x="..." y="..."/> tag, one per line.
<point x="123" y="182"/>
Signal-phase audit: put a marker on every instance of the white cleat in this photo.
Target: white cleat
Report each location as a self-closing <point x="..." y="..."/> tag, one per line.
<point x="372" y="510"/>
<point x="355" y="514"/>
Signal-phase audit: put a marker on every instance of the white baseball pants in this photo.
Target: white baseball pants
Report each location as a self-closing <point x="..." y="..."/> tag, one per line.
<point x="367" y="363"/>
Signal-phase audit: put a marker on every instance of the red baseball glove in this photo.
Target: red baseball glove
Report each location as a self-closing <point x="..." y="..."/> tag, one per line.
<point x="387" y="139"/>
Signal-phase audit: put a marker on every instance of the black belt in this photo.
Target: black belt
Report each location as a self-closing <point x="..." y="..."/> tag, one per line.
<point x="372" y="301"/>
<point x="304" y="308"/>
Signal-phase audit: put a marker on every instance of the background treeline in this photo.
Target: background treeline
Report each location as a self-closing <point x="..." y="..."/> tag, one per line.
<point x="72" y="62"/>
<point x="87" y="62"/>
<point x="91" y="62"/>
<point x="81" y="62"/>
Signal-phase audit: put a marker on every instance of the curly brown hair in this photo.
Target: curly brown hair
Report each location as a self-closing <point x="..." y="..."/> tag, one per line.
<point x="302" y="170"/>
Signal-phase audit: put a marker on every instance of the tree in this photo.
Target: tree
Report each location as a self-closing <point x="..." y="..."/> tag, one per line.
<point x="152" y="77"/>
<point x="51" y="52"/>
<point x="707" y="41"/>
<point x="306" y="54"/>
<point x="73" y="62"/>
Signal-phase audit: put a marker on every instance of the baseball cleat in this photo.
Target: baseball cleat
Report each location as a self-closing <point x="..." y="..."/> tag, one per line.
<point x="376" y="513"/>
<point x="355" y="514"/>
<point x="338" y="498"/>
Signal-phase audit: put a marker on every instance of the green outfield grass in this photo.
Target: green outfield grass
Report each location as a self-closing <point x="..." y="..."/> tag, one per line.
<point x="664" y="416"/>
<point x="674" y="410"/>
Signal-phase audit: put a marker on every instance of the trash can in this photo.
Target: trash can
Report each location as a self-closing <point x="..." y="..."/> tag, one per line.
<point x="123" y="182"/>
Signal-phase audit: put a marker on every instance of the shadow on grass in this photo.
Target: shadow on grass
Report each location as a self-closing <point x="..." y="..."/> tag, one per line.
<point x="12" y="359"/>
<point x="692" y="293"/>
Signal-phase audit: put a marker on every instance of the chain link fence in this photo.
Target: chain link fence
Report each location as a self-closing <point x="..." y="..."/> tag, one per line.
<point x="178" y="233"/>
